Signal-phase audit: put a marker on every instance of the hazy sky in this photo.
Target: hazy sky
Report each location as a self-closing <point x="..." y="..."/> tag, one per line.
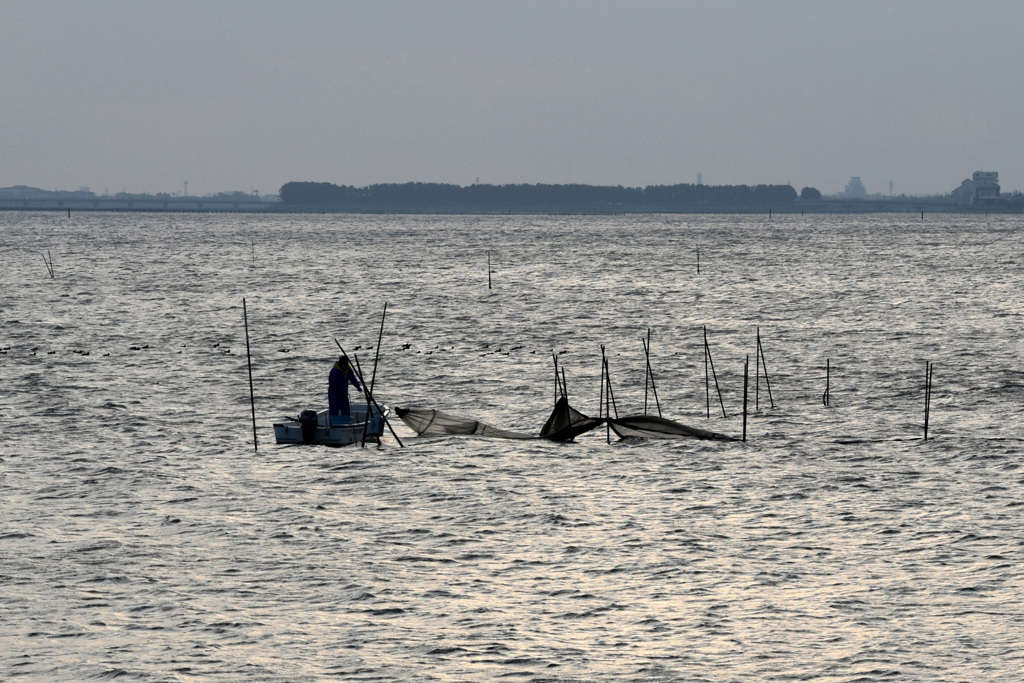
<point x="243" y="94"/>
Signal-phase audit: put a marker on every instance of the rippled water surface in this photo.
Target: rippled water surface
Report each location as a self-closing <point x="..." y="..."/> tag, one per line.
<point x="141" y="538"/>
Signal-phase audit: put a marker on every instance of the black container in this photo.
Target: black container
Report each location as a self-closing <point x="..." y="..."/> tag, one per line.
<point x="307" y="418"/>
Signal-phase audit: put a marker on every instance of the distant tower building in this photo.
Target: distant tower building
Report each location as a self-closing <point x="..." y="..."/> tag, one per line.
<point x="855" y="189"/>
<point x="700" y="178"/>
<point x="986" y="185"/>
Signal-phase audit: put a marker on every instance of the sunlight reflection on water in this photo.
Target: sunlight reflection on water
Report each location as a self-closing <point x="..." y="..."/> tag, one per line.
<point x="140" y="536"/>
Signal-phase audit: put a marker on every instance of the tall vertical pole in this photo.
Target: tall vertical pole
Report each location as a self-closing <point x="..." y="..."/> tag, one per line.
<point x="488" y="269"/>
<point x="376" y="356"/>
<point x="927" y="395"/>
<point x="746" y="367"/>
<point x="604" y="392"/>
<point x="647" y="370"/>
<point x="707" y="377"/>
<point x="828" y="377"/>
<point x="708" y="360"/>
<point x="764" y="366"/>
<point x="252" y="396"/>
<point x="757" y="371"/>
<point x="554" y="358"/>
<point x="650" y="373"/>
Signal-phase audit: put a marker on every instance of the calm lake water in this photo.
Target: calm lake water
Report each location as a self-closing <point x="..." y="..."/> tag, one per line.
<point x="141" y="538"/>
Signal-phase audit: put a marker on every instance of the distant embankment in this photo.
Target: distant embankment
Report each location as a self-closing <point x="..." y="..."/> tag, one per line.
<point x="31" y="199"/>
<point x="521" y="199"/>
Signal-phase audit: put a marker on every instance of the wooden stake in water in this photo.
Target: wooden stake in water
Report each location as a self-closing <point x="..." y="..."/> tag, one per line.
<point x="764" y="366"/>
<point x="928" y="368"/>
<point x="252" y="396"/>
<point x="376" y="356"/>
<point x="650" y="375"/>
<point x="698" y="260"/>
<point x="746" y="368"/>
<point x="757" y="372"/>
<point x="48" y="260"/>
<point x="558" y="388"/>
<point x="488" y="269"/>
<point x="708" y="360"/>
<point x="828" y="373"/>
<point x="254" y="250"/>
<point x="707" y="377"/>
<point x="605" y="410"/>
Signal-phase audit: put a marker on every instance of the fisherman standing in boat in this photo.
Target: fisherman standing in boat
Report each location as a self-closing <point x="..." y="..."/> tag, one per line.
<point x="337" y="391"/>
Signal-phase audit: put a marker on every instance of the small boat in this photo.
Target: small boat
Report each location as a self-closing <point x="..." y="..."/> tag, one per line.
<point x="315" y="427"/>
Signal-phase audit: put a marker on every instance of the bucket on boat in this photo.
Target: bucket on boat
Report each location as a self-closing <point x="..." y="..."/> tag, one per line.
<point x="307" y="419"/>
<point x="376" y="426"/>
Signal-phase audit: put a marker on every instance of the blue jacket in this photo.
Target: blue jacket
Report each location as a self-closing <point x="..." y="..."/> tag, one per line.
<point x="337" y="389"/>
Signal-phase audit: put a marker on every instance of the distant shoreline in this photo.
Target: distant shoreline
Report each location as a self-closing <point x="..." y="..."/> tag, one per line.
<point x="524" y="199"/>
<point x="824" y="207"/>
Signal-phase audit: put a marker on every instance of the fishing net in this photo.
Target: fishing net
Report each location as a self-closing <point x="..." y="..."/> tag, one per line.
<point x="428" y="422"/>
<point x="655" y="427"/>
<point x="566" y="423"/>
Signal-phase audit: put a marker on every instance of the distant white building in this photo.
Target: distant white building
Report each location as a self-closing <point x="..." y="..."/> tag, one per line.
<point x="986" y="185"/>
<point x="982" y="188"/>
<point x="855" y="189"/>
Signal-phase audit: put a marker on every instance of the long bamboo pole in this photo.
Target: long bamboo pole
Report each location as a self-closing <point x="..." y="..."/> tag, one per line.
<point x="757" y="372"/>
<point x="764" y="366"/>
<point x="828" y="378"/>
<point x="252" y="395"/>
<point x="605" y="409"/>
<point x="928" y="369"/>
<point x="650" y="374"/>
<point x="707" y="377"/>
<point x="711" y="361"/>
<point x="746" y="369"/>
<point x="376" y="355"/>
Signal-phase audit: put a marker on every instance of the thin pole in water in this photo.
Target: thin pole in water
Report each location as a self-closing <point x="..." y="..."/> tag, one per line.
<point x="611" y="393"/>
<point x="600" y="395"/>
<point x="554" y="359"/>
<point x="711" y="361"/>
<point x="376" y="356"/>
<point x="606" y="411"/>
<point x="253" y="250"/>
<point x="707" y="377"/>
<point x="488" y="269"/>
<point x="757" y="372"/>
<point x="650" y="373"/>
<point x="746" y="368"/>
<point x="647" y="372"/>
<point x="252" y="396"/>
<point x="764" y="366"/>
<point x="828" y="373"/>
<point x="928" y="369"/>
<point x="698" y="260"/>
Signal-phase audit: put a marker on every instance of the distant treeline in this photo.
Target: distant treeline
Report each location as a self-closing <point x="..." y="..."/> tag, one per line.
<point x="444" y="198"/>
